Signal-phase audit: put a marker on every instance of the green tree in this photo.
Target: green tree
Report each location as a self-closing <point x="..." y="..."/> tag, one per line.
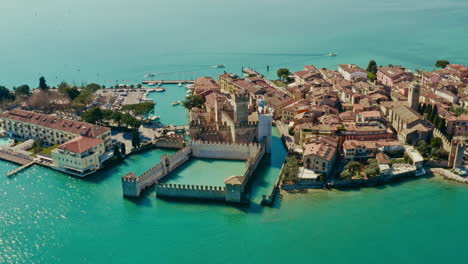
<point x="436" y="143"/>
<point x="130" y="121"/>
<point x="372" y="169"/>
<point x="442" y="63"/>
<point x="5" y="94"/>
<point x="372" y="67"/>
<point x="117" y="153"/>
<point x="141" y="109"/>
<point x="283" y="73"/>
<point x="423" y="148"/>
<point x="123" y="149"/>
<point x="93" y="115"/>
<point x="135" y="139"/>
<point x="117" y="117"/>
<point x="193" y="101"/>
<point x="37" y="145"/>
<point x="23" y="90"/>
<point x="43" y="84"/>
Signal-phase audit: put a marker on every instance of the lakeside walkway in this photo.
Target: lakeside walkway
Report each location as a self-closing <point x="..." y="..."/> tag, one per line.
<point x="15" y="157"/>
<point x="167" y="82"/>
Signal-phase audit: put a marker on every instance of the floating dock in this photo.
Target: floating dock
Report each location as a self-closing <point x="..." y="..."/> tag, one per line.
<point x="166" y="82"/>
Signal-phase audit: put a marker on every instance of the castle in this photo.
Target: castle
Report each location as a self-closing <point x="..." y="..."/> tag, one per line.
<point x="232" y="118"/>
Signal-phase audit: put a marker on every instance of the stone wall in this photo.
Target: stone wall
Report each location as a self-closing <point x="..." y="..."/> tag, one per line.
<point x="220" y="150"/>
<point x="191" y="191"/>
<point x="446" y="144"/>
<point x="171" y="142"/>
<point x="133" y="185"/>
<point x="252" y="153"/>
<point x="371" y="181"/>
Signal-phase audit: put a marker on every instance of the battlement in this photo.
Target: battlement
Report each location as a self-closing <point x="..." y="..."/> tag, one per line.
<point x="250" y="124"/>
<point x="190" y="187"/>
<point x="131" y="177"/>
<point x="227" y="144"/>
<point x="212" y="126"/>
<point x="241" y="97"/>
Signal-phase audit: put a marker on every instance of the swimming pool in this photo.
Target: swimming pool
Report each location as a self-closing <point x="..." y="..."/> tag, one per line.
<point x="5" y="141"/>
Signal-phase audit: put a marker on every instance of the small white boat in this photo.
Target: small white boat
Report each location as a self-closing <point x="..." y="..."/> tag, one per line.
<point x="190" y="86"/>
<point x="332" y="55"/>
<point x="176" y="103"/>
<point x="160" y="89"/>
<point x="150" y="75"/>
<point x="219" y="66"/>
<point x="151" y="84"/>
<point x="180" y="84"/>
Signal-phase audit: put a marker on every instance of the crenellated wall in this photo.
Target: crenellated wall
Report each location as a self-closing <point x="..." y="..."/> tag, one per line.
<point x="234" y="191"/>
<point x="132" y="185"/>
<point x="220" y="150"/>
<point x="191" y="191"/>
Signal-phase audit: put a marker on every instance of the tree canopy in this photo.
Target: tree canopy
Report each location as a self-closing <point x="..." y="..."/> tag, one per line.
<point x="372" y="67"/>
<point x="193" y="101"/>
<point x="442" y="63"/>
<point x="141" y="109"/>
<point x="43" y="84"/>
<point x="23" y="90"/>
<point x="283" y="73"/>
<point x="93" y="115"/>
<point x="5" y="94"/>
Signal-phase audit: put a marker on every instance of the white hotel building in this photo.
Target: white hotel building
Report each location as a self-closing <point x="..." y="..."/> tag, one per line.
<point x="82" y="149"/>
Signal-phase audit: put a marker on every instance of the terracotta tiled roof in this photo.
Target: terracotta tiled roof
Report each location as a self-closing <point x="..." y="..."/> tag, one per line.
<point x="80" y="144"/>
<point x="75" y="127"/>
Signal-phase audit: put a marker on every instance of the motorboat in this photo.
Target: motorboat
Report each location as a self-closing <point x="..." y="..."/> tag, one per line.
<point x="190" y="86"/>
<point x="160" y="89"/>
<point x="151" y="84"/>
<point x="176" y="103"/>
<point x="219" y="66"/>
<point x="180" y="84"/>
<point x="332" y="55"/>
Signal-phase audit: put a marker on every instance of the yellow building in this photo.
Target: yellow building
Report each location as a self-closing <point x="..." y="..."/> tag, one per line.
<point x="80" y="156"/>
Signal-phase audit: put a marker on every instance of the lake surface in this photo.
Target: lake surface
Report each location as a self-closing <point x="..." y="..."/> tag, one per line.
<point x="109" y="41"/>
<point x="49" y="217"/>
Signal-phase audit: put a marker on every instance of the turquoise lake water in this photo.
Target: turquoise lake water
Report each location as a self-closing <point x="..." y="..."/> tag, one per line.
<point x="194" y="172"/>
<point x="48" y="217"/>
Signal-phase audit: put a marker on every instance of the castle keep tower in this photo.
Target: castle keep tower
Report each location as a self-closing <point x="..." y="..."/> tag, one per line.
<point x="413" y="96"/>
<point x="265" y="119"/>
<point x="241" y="108"/>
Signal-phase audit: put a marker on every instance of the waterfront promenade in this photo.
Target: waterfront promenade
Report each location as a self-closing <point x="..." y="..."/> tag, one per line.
<point x="167" y="81"/>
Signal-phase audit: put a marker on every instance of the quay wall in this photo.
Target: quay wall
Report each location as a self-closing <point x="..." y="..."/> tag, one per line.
<point x="383" y="179"/>
<point x="191" y="191"/>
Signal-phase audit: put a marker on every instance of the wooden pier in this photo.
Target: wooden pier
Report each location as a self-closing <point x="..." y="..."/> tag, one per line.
<point x="20" y="168"/>
<point x="166" y="82"/>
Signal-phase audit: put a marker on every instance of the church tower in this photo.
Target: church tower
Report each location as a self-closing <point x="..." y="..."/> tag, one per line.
<point x="413" y="96"/>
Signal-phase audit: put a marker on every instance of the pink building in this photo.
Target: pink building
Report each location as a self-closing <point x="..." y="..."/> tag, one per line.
<point x="392" y="75"/>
